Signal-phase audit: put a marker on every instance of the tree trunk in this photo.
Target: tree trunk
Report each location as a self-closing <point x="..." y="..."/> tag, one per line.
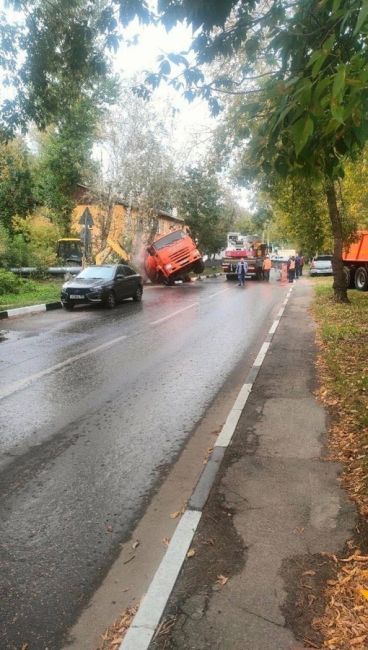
<point x="339" y="284"/>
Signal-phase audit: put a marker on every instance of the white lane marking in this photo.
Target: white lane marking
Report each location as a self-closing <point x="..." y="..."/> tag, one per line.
<point x="242" y="397"/>
<point x="227" y="431"/>
<point x="273" y="327"/>
<point x="21" y="383"/>
<point x="261" y="354"/>
<point x="154" y="602"/>
<point x="225" y="436"/>
<point x="174" y="313"/>
<point x="280" y="312"/>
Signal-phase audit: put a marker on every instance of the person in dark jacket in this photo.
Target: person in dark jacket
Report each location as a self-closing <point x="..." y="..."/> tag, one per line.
<point x="241" y="270"/>
<point x="297" y="266"/>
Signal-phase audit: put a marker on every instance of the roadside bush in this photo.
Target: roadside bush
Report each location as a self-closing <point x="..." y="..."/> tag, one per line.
<point x="39" y="235"/>
<point x="9" y="282"/>
<point x="12" y="283"/>
<point x="13" y="249"/>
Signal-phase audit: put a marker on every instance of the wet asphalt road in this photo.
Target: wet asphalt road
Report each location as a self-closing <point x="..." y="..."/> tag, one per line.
<point x="93" y="405"/>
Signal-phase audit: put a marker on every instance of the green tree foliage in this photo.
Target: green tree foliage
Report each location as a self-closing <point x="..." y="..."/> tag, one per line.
<point x="206" y="208"/>
<point x="354" y="190"/>
<point x="300" y="215"/>
<point x="16" y="184"/>
<point x="39" y="236"/>
<point x="64" y="160"/>
<point x="51" y="54"/>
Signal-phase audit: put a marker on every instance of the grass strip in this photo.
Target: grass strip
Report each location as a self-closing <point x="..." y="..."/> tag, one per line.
<point x="39" y="292"/>
<point x="342" y="335"/>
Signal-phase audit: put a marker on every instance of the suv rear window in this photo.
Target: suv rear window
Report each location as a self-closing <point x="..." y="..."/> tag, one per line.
<point x="323" y="258"/>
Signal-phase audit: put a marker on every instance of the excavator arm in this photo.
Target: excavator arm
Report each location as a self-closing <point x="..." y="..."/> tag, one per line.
<point x="111" y="245"/>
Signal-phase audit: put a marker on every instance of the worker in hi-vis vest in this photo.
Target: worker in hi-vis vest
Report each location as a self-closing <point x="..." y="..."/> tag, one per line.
<point x="291" y="268"/>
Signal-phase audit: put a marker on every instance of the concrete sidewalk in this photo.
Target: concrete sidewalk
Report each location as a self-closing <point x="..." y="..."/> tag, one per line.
<point x="276" y="510"/>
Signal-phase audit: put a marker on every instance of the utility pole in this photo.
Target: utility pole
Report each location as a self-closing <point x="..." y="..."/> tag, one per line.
<point x="86" y="221"/>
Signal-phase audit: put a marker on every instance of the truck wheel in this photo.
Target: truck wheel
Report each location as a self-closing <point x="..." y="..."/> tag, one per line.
<point x="361" y="279"/>
<point x="110" y="300"/>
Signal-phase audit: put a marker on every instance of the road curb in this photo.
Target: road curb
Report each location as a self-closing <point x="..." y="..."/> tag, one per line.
<point x="31" y="309"/>
<point x="151" y="609"/>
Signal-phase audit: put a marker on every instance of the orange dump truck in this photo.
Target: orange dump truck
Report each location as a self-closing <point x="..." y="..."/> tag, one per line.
<point x="172" y="257"/>
<point x="355" y="260"/>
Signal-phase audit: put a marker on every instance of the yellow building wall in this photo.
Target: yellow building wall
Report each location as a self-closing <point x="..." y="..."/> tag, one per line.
<point x="105" y="225"/>
<point x="116" y="225"/>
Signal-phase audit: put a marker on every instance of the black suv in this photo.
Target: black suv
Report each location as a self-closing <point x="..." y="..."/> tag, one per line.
<point x="102" y="284"/>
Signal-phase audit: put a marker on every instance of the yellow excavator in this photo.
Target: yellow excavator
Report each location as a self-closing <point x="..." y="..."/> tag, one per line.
<point x="114" y="246"/>
<point x="69" y="250"/>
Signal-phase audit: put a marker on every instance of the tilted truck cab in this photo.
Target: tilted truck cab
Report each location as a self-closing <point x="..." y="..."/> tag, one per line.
<point x="172" y="257"/>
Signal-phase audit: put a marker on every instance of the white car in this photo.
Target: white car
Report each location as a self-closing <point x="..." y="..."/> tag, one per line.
<point x="321" y="265"/>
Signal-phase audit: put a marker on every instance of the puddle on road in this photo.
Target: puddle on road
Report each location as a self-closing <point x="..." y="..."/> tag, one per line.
<point x="13" y="335"/>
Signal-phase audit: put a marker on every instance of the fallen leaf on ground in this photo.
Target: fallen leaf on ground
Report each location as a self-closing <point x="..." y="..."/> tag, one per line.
<point x="222" y="580"/>
<point x="309" y="573"/>
<point x="166" y="541"/>
<point x="364" y="592"/>
<point x="136" y="543"/>
<point x="358" y="640"/>
<point x="114" y="635"/>
<point x="191" y="553"/>
<point x="174" y="515"/>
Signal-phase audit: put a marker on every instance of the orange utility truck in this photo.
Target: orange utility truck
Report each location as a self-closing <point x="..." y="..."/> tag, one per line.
<point x="355" y="260"/>
<point x="172" y="257"/>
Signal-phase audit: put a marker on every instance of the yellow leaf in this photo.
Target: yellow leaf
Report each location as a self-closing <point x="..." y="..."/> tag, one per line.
<point x="174" y="515"/>
<point x="191" y="553"/>
<point x="222" y="580"/>
<point x="363" y="592"/>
